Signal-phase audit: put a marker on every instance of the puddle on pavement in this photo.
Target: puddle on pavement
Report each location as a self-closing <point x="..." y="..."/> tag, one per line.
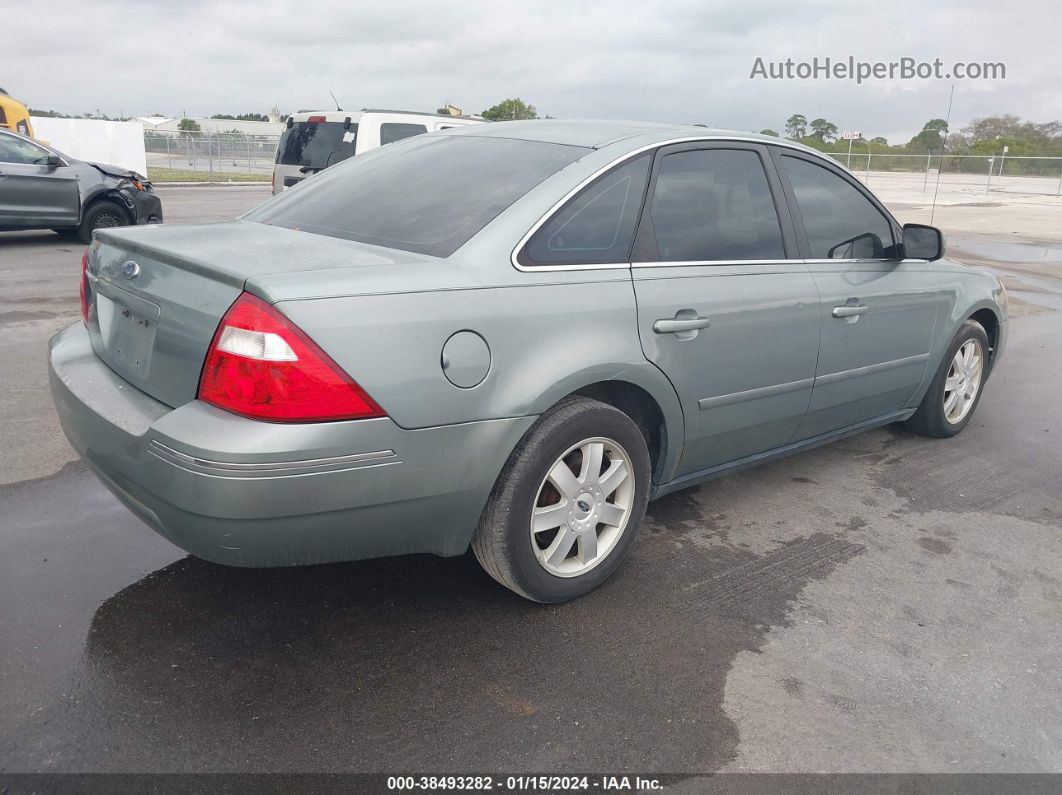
<point x="1032" y="271"/>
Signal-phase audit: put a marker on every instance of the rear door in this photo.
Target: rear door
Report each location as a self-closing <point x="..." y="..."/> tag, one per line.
<point x="878" y="312"/>
<point x="726" y="308"/>
<point x="32" y="193"/>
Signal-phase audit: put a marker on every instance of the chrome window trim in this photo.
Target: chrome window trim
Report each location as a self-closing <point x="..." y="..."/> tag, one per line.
<point x="710" y="262"/>
<point x="514" y="256"/>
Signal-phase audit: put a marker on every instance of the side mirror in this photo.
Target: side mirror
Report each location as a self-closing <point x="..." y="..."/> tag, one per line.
<point x="865" y="246"/>
<point x="53" y="161"/>
<point x="922" y="242"/>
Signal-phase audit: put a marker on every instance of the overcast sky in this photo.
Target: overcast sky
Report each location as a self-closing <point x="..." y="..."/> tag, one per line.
<point x="672" y="60"/>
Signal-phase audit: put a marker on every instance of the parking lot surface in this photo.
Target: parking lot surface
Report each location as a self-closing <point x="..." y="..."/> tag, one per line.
<point x="886" y="603"/>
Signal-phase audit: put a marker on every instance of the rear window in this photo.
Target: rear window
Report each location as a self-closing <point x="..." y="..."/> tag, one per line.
<point x="429" y="194"/>
<point x="316" y="145"/>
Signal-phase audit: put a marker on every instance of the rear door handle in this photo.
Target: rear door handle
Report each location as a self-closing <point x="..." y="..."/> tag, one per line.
<point x="849" y="310"/>
<point x="673" y="326"/>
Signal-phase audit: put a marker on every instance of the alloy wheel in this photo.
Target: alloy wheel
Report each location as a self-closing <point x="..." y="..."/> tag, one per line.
<point x="963" y="381"/>
<point x="582" y="507"/>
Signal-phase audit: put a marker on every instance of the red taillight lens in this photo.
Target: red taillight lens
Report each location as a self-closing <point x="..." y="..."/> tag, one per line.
<point x="261" y="365"/>
<point x="84" y="287"/>
<point x="316" y="120"/>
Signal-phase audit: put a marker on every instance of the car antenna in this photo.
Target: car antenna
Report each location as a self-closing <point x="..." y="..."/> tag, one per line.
<point x="335" y="100"/>
<point x="940" y="167"/>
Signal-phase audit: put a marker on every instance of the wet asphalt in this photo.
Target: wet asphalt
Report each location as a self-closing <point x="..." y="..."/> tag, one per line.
<point x="885" y="603"/>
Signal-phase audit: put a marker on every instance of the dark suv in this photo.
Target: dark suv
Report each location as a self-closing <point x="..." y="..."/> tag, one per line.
<point x="40" y="188"/>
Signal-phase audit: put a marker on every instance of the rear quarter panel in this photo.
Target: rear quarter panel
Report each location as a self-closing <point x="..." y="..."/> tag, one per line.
<point x="545" y="340"/>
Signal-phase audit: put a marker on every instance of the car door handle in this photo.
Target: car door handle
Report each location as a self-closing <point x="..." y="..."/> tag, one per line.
<point x="849" y="310"/>
<point x="673" y="326"/>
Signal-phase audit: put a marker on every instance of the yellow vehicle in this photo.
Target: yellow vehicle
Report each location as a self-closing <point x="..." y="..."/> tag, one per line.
<point x="14" y="115"/>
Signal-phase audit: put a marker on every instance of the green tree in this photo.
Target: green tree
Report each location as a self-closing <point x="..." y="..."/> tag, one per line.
<point x="796" y="127"/>
<point x="188" y="125"/>
<point x="931" y="136"/>
<point x="510" y="109"/>
<point x="823" y="131"/>
<point x="769" y="132"/>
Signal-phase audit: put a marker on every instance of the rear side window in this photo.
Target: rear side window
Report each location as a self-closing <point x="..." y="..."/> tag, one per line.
<point x="714" y="205"/>
<point x="389" y="133"/>
<point x="840" y="222"/>
<point x="316" y="145"/>
<point x="597" y="225"/>
<point x="429" y="194"/>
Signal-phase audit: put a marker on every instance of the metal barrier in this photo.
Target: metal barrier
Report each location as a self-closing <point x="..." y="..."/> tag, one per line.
<point x="209" y="157"/>
<point x="1041" y="176"/>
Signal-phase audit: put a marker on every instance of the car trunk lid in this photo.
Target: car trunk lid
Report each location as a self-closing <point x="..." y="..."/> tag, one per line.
<point x="158" y="293"/>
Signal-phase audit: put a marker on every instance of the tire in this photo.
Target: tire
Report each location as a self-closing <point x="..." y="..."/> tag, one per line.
<point x="932" y="418"/>
<point x="503" y="542"/>
<point x="101" y="215"/>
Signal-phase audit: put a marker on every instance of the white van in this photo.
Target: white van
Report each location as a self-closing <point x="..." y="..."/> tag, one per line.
<point x="316" y="139"/>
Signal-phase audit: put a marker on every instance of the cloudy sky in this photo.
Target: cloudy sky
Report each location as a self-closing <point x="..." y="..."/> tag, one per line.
<point x="669" y="60"/>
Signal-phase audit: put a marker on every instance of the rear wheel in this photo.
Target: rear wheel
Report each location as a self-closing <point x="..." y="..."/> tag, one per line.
<point x="567" y="505"/>
<point x="101" y="215"/>
<point x="956" y="389"/>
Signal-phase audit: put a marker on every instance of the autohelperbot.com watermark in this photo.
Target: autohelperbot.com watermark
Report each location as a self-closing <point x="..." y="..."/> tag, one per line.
<point x="851" y="68"/>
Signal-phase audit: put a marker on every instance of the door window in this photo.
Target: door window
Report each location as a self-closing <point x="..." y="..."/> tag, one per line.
<point x="840" y="221"/>
<point x="598" y="225"/>
<point x="391" y="132"/>
<point x="714" y="205"/>
<point x="19" y="150"/>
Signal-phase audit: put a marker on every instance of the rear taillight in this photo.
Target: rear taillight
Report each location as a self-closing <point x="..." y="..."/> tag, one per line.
<point x="84" y="287"/>
<point x="261" y="365"/>
<point x="316" y="120"/>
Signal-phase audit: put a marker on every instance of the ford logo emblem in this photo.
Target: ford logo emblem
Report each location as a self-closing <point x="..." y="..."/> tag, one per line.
<point x="130" y="269"/>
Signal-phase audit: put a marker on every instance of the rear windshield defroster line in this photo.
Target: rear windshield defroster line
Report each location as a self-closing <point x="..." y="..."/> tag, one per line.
<point x="428" y="194"/>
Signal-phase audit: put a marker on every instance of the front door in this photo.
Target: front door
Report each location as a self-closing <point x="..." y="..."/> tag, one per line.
<point x="725" y="313"/>
<point x="878" y="312"/>
<point x="32" y="193"/>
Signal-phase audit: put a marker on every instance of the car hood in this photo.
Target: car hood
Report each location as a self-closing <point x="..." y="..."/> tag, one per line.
<point x="116" y="171"/>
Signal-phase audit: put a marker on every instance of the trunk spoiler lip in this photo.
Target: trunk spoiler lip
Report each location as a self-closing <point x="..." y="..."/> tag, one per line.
<point x="138" y="245"/>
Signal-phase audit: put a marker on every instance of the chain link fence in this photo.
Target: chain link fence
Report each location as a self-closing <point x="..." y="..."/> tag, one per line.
<point x="968" y="173"/>
<point x="209" y="157"/>
<point x="238" y="157"/>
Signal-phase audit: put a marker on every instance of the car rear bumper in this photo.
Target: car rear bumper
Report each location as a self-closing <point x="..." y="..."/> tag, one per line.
<point x="245" y="493"/>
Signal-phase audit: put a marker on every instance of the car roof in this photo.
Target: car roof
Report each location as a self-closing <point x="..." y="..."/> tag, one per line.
<point x="599" y="133"/>
<point x="355" y="115"/>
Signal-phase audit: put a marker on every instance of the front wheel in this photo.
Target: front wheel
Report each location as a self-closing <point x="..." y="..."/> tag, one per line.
<point x="956" y="389"/>
<point x="101" y="215"/>
<point x="568" y="503"/>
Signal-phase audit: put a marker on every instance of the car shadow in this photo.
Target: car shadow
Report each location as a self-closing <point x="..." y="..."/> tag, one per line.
<point x="38" y="237"/>
<point x="413" y="663"/>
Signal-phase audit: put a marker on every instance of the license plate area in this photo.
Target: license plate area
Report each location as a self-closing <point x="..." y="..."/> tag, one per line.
<point x="127" y="328"/>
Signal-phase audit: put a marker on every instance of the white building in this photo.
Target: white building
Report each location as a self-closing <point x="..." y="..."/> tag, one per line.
<point x="163" y="124"/>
